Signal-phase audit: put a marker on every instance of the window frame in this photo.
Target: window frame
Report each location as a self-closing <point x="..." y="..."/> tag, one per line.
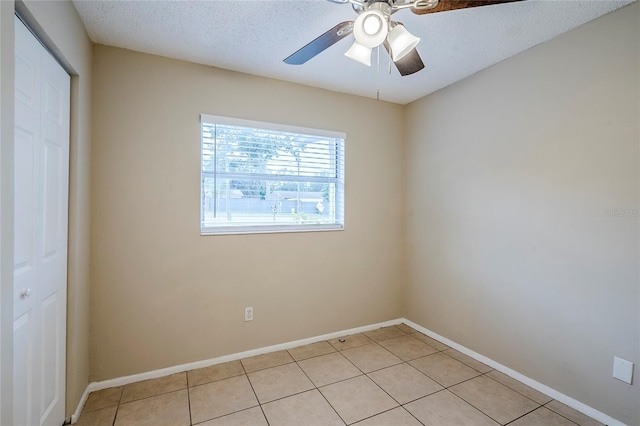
<point x="282" y="228"/>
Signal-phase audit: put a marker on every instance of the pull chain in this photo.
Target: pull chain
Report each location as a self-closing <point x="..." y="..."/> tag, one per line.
<point x="378" y="76"/>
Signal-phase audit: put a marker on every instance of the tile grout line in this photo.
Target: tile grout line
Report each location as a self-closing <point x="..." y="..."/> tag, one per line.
<point x="254" y="394"/>
<point x="482" y="411"/>
<point x="386" y="411"/>
<point x="115" y="416"/>
<point x="561" y="415"/>
<point x="397" y="402"/>
<point x="491" y="378"/>
<point x="313" y="356"/>
<point x="526" y="414"/>
<point x="341" y="380"/>
<point x="189" y="399"/>
<point x="262" y="369"/>
<point x="217" y="380"/>
<point x="517" y="391"/>
<point x="320" y="392"/>
<point x="150" y="396"/>
<point x="473" y="406"/>
<point x="400" y="405"/>
<point x="237" y="411"/>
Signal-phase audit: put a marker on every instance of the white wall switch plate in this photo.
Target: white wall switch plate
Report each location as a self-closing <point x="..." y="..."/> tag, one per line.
<point x="622" y="369"/>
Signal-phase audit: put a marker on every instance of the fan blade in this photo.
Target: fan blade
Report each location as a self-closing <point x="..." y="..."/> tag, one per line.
<point x="321" y="43"/>
<point x="444" y="5"/>
<point x="409" y="64"/>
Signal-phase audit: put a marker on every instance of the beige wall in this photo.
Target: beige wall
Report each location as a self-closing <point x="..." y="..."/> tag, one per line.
<point x="162" y="294"/>
<point x="510" y="173"/>
<point x="59" y="26"/>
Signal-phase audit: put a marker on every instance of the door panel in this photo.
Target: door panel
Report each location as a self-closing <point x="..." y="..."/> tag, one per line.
<point x="23" y="200"/>
<point x="54" y="103"/>
<point x="49" y="355"/>
<point x="52" y="207"/>
<point x="41" y="215"/>
<point x="22" y="372"/>
<point x="26" y="84"/>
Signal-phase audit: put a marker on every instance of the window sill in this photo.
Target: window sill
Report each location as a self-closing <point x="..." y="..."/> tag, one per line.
<point x="232" y="230"/>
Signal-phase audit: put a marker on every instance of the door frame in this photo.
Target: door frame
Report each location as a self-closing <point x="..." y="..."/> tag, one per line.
<point x="7" y="89"/>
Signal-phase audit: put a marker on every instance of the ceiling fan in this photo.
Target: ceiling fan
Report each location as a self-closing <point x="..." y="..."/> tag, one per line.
<point x="373" y="27"/>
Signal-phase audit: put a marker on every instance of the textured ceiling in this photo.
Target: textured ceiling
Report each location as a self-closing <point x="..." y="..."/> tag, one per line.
<point x="254" y="36"/>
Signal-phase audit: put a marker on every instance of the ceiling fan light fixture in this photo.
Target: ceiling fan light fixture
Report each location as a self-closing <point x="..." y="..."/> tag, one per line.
<point x="370" y="28"/>
<point x="401" y="42"/>
<point x="359" y="53"/>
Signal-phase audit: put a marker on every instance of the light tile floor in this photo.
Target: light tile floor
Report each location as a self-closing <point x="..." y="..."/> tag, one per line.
<point x="390" y="376"/>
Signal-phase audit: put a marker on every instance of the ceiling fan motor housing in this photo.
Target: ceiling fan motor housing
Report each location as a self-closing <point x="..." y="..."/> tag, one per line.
<point x="384" y="6"/>
<point x="394" y="5"/>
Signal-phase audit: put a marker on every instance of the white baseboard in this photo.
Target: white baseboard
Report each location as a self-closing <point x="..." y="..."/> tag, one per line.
<point x="76" y="415"/>
<point x="552" y="393"/>
<point x="120" y="381"/>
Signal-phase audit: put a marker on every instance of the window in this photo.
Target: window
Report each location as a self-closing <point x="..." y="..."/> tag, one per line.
<point x="262" y="177"/>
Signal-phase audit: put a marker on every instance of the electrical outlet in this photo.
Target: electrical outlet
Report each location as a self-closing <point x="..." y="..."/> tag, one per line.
<point x="622" y="369"/>
<point x="248" y="314"/>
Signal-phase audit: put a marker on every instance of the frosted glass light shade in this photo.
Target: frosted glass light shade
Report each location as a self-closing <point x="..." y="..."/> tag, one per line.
<point x="401" y="42"/>
<point x="359" y="53"/>
<point x="370" y="28"/>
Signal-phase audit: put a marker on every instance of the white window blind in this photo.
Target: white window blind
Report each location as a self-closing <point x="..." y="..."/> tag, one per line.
<point x="263" y="177"/>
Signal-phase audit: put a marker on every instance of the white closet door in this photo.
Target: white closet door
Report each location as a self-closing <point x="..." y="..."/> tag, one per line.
<point x="41" y="210"/>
